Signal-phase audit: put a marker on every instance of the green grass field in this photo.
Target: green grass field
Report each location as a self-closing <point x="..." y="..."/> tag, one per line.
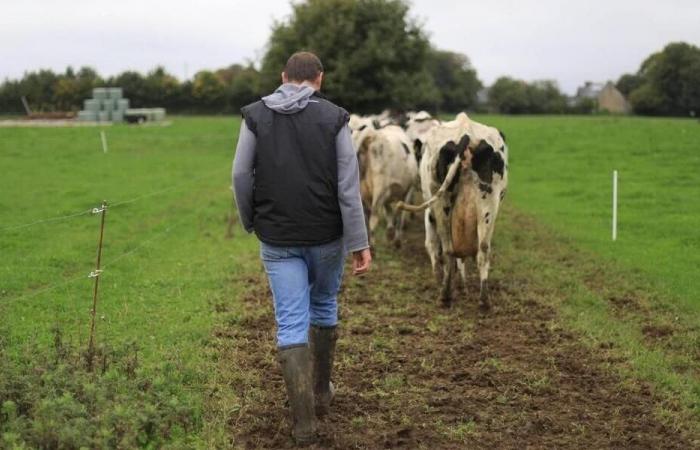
<point x="169" y="269"/>
<point x="179" y="179"/>
<point x="562" y="173"/>
<point x="166" y="261"/>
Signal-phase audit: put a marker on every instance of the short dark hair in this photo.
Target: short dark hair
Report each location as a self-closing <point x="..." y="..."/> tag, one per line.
<point x="303" y="66"/>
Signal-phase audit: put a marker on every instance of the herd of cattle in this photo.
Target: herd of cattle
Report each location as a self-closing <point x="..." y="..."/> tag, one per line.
<point x="461" y="169"/>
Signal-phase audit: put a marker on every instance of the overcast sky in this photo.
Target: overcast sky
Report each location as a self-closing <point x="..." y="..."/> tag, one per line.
<point x="569" y="42"/>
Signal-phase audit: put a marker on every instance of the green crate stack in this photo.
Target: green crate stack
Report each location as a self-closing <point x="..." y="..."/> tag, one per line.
<point x="120" y="106"/>
<point x="108" y="104"/>
<point x="91" y="105"/>
<point x="87" y="116"/>
<point x="123" y="104"/>
<point x="100" y="93"/>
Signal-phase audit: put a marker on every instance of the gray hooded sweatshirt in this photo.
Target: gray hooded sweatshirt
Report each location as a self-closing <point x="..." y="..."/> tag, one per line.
<point x="288" y="99"/>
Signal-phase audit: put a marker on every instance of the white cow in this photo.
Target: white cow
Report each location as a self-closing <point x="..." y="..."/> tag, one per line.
<point x="417" y="128"/>
<point x="359" y="127"/>
<point x="464" y="176"/>
<point x="388" y="173"/>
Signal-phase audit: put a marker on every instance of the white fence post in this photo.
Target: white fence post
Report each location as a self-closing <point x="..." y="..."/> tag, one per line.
<point x="614" y="207"/>
<point x="104" y="141"/>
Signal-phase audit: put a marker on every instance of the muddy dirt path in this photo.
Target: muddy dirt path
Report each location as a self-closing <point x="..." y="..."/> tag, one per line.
<point x="412" y="374"/>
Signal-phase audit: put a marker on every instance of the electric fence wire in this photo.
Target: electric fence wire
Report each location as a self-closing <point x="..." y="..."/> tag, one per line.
<point x="111" y="262"/>
<point x="113" y="205"/>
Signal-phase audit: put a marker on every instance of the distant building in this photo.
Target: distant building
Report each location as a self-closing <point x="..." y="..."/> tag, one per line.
<point x="607" y="96"/>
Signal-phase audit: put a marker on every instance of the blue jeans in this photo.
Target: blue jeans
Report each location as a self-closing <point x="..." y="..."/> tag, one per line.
<point x="304" y="283"/>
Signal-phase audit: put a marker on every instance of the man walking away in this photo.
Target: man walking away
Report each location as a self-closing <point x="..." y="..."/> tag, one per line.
<point x="296" y="182"/>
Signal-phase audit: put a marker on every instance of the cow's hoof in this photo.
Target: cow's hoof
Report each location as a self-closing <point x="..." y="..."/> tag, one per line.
<point x="390" y="234"/>
<point x="446" y="302"/>
<point x="484" y="304"/>
<point x="397" y="243"/>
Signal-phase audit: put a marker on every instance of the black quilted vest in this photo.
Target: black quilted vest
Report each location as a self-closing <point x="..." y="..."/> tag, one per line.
<point x="295" y="199"/>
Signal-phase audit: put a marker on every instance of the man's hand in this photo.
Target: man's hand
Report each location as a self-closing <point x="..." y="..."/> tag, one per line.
<point x="361" y="261"/>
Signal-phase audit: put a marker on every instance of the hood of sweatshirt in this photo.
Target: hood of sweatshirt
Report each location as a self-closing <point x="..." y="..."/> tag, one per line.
<point x="289" y="98"/>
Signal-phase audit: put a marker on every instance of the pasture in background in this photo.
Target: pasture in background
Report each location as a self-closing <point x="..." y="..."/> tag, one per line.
<point x="562" y="174"/>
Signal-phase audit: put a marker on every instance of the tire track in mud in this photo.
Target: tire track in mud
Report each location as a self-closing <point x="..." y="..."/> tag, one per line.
<point x="411" y="374"/>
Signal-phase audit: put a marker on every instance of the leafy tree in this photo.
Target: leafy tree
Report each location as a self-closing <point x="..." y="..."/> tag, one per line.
<point x="509" y="96"/>
<point x="134" y="86"/>
<point x="375" y="56"/>
<point x="208" y="90"/>
<point x="455" y="79"/>
<point x="162" y="89"/>
<point x="544" y="97"/>
<point x="242" y="85"/>
<point x="10" y="94"/>
<point x="37" y="87"/>
<point x="627" y="83"/>
<point x="648" y="99"/>
<point x="670" y="82"/>
<point x="243" y="88"/>
<point x="72" y="88"/>
<point x="66" y="94"/>
<point x="584" y="105"/>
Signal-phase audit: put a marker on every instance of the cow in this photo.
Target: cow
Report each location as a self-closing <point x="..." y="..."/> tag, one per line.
<point x="357" y="123"/>
<point x="417" y="127"/>
<point x="388" y="173"/>
<point x="464" y="177"/>
<point x="359" y="127"/>
<point x="383" y="119"/>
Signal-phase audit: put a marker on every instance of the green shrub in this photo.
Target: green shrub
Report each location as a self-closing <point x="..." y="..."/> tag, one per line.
<point x="49" y="399"/>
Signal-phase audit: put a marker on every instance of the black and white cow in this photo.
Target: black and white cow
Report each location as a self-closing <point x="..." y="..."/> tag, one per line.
<point x="464" y="176"/>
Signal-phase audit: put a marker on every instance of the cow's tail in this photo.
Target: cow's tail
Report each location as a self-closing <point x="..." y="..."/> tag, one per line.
<point x="451" y="172"/>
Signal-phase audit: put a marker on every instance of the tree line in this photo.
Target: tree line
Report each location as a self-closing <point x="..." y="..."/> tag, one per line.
<point x="221" y="91"/>
<point x="375" y="56"/>
<point x="667" y="82"/>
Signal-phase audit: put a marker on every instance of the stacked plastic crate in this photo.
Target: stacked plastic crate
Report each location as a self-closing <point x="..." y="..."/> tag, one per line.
<point x="106" y="105"/>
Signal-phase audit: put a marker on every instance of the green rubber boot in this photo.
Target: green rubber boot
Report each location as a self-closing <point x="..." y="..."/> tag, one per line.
<point x="297" y="372"/>
<point x="322" y="342"/>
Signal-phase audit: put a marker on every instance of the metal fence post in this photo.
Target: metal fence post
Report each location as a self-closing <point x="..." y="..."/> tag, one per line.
<point x="96" y="276"/>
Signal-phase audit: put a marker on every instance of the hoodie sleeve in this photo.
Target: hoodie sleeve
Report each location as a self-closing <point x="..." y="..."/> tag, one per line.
<point x="354" y="228"/>
<point x="244" y="175"/>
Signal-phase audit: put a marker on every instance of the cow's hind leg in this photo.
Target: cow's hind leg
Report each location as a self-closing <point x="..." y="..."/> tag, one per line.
<point x="462" y="268"/>
<point x="433" y="246"/>
<point x="377" y="210"/>
<point x="392" y="231"/>
<point x="483" y="263"/>
<point x="484" y="231"/>
<point x="367" y="209"/>
<point x="448" y="272"/>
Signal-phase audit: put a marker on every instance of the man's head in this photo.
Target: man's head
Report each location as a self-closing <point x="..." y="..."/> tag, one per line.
<point x="303" y="67"/>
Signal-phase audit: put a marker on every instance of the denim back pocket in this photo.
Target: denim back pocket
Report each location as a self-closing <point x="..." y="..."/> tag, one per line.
<point x="273" y="252"/>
